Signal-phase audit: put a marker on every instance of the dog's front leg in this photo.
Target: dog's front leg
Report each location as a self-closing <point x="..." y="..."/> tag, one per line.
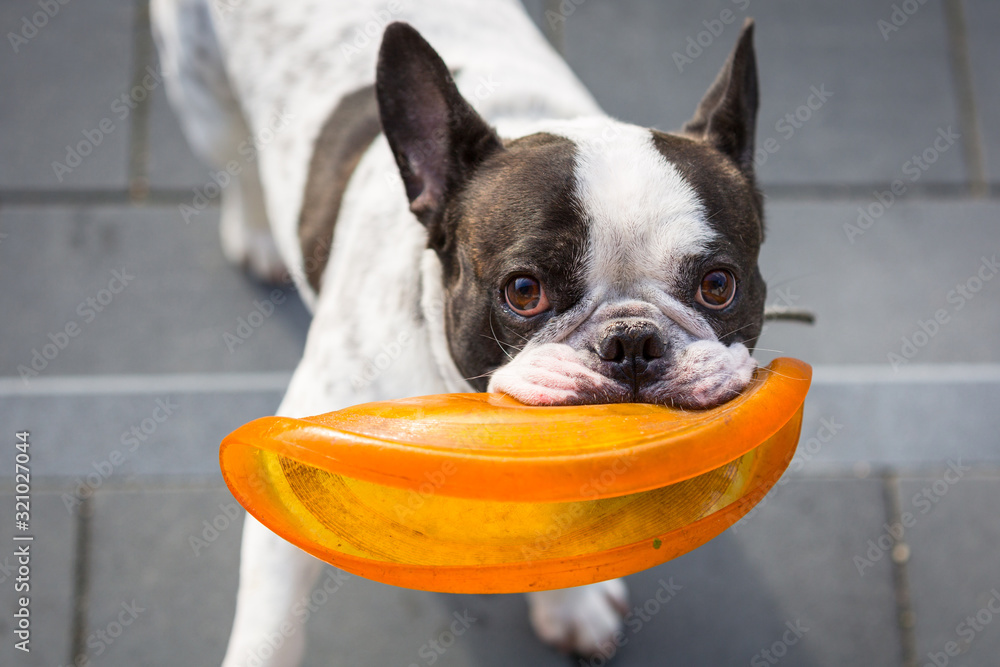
<point x="581" y="620"/>
<point x="274" y="576"/>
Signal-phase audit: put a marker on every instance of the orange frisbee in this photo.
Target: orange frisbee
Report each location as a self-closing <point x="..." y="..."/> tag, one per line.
<point x="477" y="493"/>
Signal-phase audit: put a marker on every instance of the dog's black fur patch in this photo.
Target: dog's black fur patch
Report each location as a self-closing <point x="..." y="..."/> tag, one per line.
<point x="343" y="140"/>
<point x="519" y="215"/>
<point x="734" y="209"/>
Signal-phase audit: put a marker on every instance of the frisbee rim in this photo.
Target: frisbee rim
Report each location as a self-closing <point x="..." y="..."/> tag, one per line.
<point x="502" y="475"/>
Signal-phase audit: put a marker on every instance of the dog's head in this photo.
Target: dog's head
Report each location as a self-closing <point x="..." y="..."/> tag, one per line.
<point x="594" y="262"/>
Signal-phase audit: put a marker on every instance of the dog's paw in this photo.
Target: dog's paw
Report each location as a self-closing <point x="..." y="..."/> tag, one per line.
<point x="256" y="252"/>
<point x="580" y="620"/>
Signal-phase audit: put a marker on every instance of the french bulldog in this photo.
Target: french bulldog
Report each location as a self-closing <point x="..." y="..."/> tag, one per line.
<point x="464" y="217"/>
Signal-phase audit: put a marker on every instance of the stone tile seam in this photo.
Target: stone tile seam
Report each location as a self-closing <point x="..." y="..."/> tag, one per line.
<point x="964" y="90"/>
<point x="905" y="620"/>
<point x="824" y="375"/>
<point x="172" y="383"/>
<point x="139" y="148"/>
<point x="81" y="581"/>
<point x="775" y="192"/>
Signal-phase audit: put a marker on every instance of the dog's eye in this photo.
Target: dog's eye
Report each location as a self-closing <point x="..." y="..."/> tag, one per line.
<point x="717" y="289"/>
<point x="525" y="296"/>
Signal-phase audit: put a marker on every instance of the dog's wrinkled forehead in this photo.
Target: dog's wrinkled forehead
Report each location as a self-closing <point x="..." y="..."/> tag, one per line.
<point x="642" y="215"/>
<point x="520" y="213"/>
<point x="615" y="205"/>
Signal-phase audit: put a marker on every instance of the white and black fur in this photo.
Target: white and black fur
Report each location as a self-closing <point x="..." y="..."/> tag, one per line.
<point x="406" y="188"/>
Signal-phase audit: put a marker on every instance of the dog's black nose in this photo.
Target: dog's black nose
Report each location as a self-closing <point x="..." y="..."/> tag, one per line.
<point x="629" y="347"/>
<point x="631" y="344"/>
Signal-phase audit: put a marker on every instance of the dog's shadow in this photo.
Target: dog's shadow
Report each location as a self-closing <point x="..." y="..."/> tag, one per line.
<point x="719" y="610"/>
<point x="784" y="582"/>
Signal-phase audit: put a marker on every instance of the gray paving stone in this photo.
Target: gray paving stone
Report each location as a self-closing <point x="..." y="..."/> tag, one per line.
<point x="171" y="162"/>
<point x="889" y="97"/>
<point x="871" y="294"/>
<point x="52" y="562"/>
<point x="61" y="84"/>
<point x="172" y="316"/>
<point x="899" y="422"/>
<point x="792" y="561"/>
<point x="144" y="553"/>
<point x="953" y="569"/>
<point x="983" y="25"/>
<point x="367" y="623"/>
<point x="536" y="10"/>
<point x="144" y="569"/>
<point x="94" y="442"/>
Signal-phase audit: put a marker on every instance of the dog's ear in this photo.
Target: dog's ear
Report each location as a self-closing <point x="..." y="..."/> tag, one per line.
<point x="727" y="116"/>
<point x="436" y="136"/>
